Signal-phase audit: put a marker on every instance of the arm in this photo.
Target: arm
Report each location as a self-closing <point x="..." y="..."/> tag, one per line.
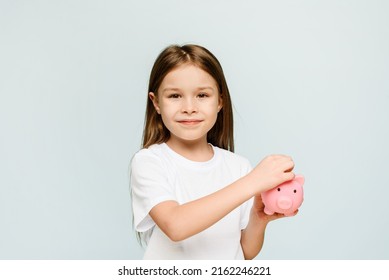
<point x="179" y="222"/>
<point x="254" y="234"/>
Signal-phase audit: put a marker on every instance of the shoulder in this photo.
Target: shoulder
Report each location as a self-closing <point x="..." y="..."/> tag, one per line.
<point x="154" y="151"/>
<point x="151" y="156"/>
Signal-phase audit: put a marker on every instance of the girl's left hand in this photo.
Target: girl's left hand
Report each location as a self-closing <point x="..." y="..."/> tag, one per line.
<point x="258" y="208"/>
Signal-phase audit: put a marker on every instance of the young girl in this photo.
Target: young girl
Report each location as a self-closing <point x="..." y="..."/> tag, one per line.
<point x="191" y="195"/>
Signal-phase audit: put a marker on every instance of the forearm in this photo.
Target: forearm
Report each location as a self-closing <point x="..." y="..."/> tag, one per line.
<point x="182" y="221"/>
<point x="253" y="236"/>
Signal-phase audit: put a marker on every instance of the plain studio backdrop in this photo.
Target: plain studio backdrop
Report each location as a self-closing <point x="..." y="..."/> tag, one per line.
<point x="307" y="78"/>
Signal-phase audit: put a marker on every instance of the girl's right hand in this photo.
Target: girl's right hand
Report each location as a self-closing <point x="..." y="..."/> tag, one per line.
<point x="272" y="171"/>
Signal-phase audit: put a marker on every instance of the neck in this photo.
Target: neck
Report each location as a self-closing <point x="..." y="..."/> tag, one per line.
<point x="192" y="150"/>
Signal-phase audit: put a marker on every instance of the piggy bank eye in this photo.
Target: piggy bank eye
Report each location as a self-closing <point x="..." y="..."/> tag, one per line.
<point x="279" y="189"/>
<point x="294" y="191"/>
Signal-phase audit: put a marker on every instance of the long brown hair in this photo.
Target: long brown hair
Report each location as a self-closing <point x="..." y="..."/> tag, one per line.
<point x="155" y="132"/>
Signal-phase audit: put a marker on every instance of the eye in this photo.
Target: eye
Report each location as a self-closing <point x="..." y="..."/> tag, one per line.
<point x="294" y="191"/>
<point x="279" y="189"/>
<point x="202" y="95"/>
<point x="174" y="95"/>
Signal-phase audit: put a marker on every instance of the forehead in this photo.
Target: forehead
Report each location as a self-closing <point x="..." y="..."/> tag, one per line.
<point x="188" y="76"/>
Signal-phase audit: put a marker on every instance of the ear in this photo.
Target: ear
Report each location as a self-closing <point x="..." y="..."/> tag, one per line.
<point x="299" y="179"/>
<point x="154" y="99"/>
<point x="220" y="106"/>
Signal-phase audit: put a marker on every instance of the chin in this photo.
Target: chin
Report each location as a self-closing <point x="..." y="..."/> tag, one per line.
<point x="188" y="138"/>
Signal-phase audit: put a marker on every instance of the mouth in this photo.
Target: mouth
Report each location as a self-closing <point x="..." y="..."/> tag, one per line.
<point x="189" y="122"/>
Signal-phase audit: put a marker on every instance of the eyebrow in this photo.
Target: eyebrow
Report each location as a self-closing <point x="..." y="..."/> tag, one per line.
<point x="177" y="89"/>
<point x="170" y="89"/>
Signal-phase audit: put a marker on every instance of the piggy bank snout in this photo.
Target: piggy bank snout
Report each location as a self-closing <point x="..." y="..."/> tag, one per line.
<point x="284" y="202"/>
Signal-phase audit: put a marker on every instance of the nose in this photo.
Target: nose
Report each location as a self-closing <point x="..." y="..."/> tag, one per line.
<point x="189" y="106"/>
<point x="284" y="202"/>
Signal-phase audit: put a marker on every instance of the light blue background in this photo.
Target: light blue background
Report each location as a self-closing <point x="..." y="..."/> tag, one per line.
<point x="307" y="78"/>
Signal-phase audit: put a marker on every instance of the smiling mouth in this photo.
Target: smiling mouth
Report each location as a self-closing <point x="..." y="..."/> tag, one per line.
<point x="190" y="122"/>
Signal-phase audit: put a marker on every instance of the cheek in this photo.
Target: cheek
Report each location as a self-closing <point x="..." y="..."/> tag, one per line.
<point x="216" y="108"/>
<point x="168" y="109"/>
<point x="213" y="106"/>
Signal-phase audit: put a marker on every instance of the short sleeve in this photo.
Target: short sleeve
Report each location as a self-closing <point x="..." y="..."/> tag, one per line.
<point x="245" y="213"/>
<point x="149" y="187"/>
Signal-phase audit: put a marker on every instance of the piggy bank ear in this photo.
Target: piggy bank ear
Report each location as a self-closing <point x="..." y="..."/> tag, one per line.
<point x="299" y="179"/>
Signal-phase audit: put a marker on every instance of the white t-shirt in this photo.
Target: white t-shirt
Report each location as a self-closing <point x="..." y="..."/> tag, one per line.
<point x="159" y="174"/>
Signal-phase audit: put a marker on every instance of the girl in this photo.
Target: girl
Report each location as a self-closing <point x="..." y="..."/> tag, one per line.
<point x="191" y="195"/>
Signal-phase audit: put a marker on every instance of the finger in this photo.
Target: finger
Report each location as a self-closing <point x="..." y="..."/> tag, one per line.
<point x="294" y="213"/>
<point x="288" y="160"/>
<point x="276" y="216"/>
<point x="258" y="199"/>
<point x="288" y="176"/>
<point x="287" y="166"/>
<point x="280" y="157"/>
<point x="290" y="169"/>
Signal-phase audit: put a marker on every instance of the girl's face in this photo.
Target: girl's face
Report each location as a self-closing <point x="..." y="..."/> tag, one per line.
<point x="188" y="101"/>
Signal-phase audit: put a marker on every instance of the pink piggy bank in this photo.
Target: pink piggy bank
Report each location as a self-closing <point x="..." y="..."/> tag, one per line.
<point x="285" y="198"/>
